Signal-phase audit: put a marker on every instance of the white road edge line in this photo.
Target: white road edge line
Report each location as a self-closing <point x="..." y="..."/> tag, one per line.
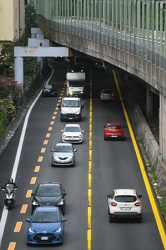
<point x="17" y="158"/>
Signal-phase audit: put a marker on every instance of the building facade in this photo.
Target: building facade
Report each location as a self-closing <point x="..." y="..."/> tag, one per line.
<point x="12" y="20"/>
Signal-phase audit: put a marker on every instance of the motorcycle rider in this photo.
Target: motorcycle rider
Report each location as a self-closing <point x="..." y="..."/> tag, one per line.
<point x="10" y="181"/>
<point x="9" y="189"/>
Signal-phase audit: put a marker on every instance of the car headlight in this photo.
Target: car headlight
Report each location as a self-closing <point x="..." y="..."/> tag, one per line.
<point x="70" y="158"/>
<point x="55" y="158"/>
<point x="80" y="136"/>
<point x="64" y="136"/>
<point x="61" y="202"/>
<point x="78" y="112"/>
<point x="31" y="230"/>
<point x="35" y="202"/>
<point x="58" y="230"/>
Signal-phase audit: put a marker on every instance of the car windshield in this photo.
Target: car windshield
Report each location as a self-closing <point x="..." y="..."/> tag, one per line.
<point x="114" y="127"/>
<point x="45" y="217"/>
<point x="72" y="129"/>
<point x="63" y="149"/>
<point x="70" y="103"/>
<point x="48" y="191"/>
<point x="48" y="87"/>
<point x="107" y="91"/>
<point x="125" y="198"/>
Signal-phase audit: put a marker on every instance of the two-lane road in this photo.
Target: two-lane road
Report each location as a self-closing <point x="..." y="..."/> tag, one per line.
<point x="114" y="165"/>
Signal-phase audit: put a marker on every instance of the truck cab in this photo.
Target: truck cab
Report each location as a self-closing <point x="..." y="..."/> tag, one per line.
<point x="71" y="109"/>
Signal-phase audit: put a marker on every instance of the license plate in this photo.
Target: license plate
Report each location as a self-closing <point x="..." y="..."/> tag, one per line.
<point x="125" y="208"/>
<point x="44" y="238"/>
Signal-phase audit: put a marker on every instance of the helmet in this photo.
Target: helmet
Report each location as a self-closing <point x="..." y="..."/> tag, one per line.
<point x="11" y="180"/>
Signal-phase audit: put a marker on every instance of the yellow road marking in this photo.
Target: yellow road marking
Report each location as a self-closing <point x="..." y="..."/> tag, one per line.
<point x="45" y="142"/>
<point x="12" y="246"/>
<point x="89" y="212"/>
<point x="52" y="123"/>
<point x="24" y="209"/>
<point x="53" y="117"/>
<point x="50" y="129"/>
<point x="18" y="227"/>
<point x="55" y="112"/>
<point x="56" y="108"/>
<point x="40" y="159"/>
<point x="37" y="168"/>
<point x="28" y="195"/>
<point x="33" y="180"/>
<point x="143" y="171"/>
<point x="47" y="135"/>
<point x="43" y="150"/>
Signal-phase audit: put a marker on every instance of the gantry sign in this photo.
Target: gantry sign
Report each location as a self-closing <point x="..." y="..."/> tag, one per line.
<point x="20" y="52"/>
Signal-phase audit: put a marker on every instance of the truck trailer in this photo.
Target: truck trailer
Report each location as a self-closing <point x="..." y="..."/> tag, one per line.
<point x="75" y="82"/>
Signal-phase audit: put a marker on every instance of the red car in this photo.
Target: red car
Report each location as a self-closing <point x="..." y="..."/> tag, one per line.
<point x="113" y="130"/>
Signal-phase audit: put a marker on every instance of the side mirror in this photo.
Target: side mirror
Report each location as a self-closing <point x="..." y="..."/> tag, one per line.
<point x="27" y="219"/>
<point x="75" y="150"/>
<point x="32" y="194"/>
<point x="64" y="219"/>
<point x="52" y="150"/>
<point x="82" y="106"/>
<point x="3" y="188"/>
<point x="109" y="196"/>
<point x="82" y="131"/>
<point x="140" y="196"/>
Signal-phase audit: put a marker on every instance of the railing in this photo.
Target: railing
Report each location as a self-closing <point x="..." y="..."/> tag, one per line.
<point x="134" y="26"/>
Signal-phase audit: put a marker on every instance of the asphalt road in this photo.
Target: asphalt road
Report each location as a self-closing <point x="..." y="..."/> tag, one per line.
<point x="114" y="165"/>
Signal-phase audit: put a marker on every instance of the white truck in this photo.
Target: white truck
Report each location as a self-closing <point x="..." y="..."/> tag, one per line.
<point x="75" y="83"/>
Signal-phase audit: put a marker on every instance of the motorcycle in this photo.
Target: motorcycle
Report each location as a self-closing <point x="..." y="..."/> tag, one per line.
<point x="9" y="195"/>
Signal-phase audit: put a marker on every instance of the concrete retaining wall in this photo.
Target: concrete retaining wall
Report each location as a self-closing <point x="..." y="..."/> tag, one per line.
<point x="150" y="145"/>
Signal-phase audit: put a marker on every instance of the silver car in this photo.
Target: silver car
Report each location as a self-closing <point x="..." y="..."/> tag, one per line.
<point x="107" y="95"/>
<point x="72" y="133"/>
<point x="63" y="155"/>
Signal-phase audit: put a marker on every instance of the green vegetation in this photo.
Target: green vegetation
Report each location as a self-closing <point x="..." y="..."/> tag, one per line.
<point x="11" y="97"/>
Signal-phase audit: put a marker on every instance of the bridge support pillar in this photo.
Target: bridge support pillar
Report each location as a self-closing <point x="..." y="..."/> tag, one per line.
<point x="162" y="130"/>
<point x="18" y="70"/>
<point x="149" y="102"/>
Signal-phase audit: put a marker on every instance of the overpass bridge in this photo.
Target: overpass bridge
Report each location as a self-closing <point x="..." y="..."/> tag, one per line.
<point x="128" y="34"/>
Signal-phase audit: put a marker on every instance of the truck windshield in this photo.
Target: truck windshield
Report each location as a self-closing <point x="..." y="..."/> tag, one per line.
<point x="70" y="103"/>
<point x="76" y="84"/>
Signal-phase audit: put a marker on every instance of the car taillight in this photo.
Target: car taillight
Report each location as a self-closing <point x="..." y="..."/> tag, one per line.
<point x="112" y="94"/>
<point x="138" y="204"/>
<point x="102" y="95"/>
<point x="113" y="203"/>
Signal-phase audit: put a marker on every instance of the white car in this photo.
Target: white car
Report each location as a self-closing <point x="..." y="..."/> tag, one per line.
<point x="72" y="133"/>
<point x="124" y="203"/>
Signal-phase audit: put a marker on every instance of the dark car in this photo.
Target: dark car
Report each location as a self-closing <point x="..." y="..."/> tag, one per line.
<point x="49" y="90"/>
<point x="50" y="193"/>
<point x="107" y="95"/>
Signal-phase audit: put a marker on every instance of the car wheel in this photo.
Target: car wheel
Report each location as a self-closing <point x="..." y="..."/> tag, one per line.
<point x="105" y="138"/>
<point x="111" y="219"/>
<point x="139" y="219"/>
